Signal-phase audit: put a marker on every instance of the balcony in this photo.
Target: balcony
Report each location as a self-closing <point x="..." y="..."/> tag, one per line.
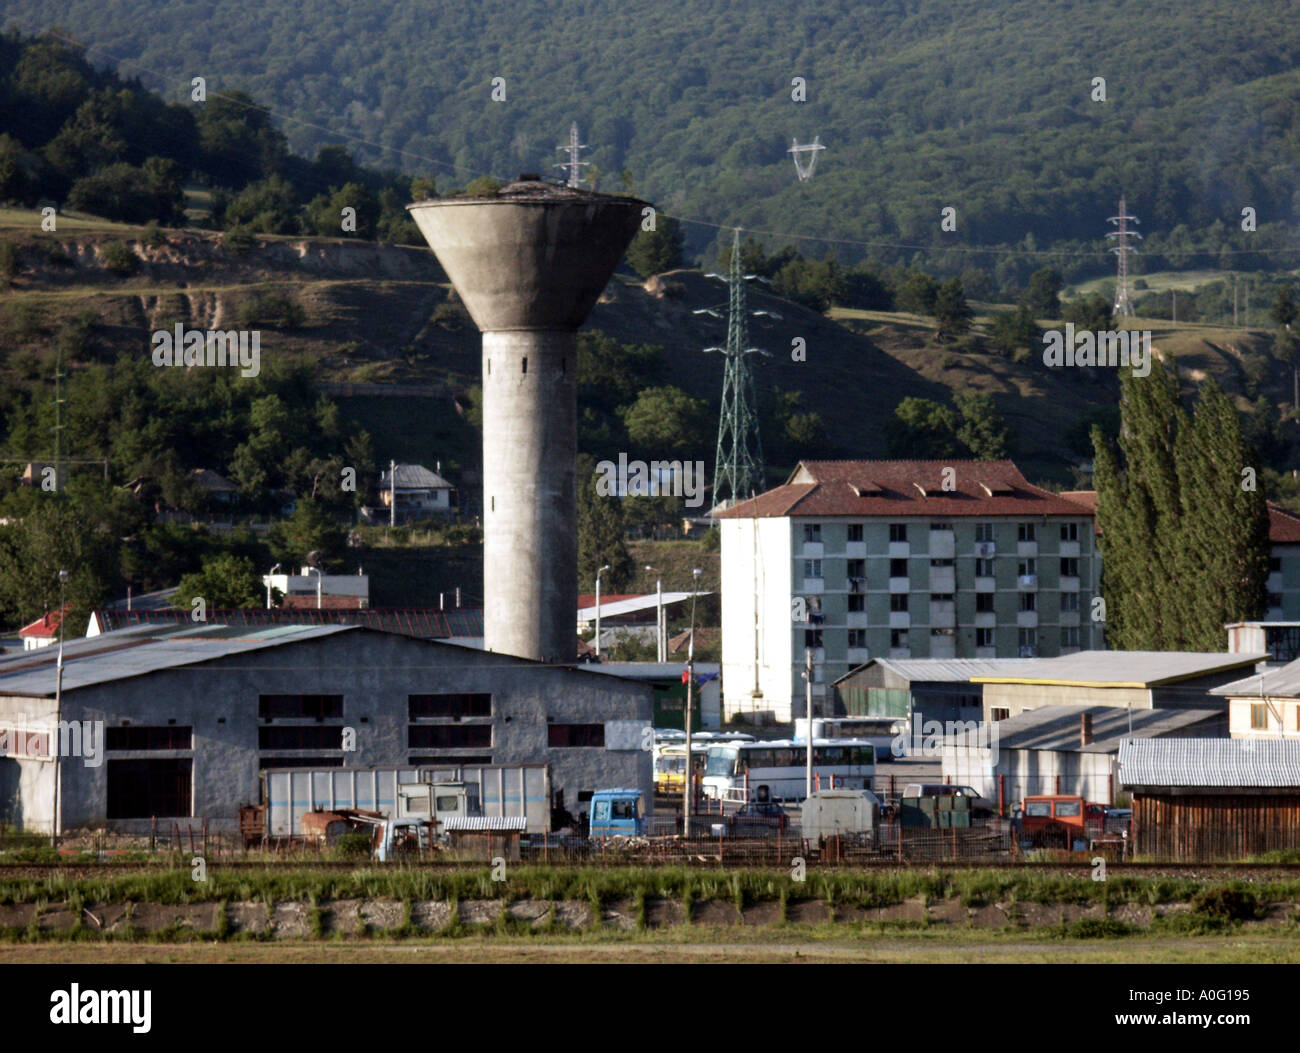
<point x="897" y="585"/>
<point x="1026" y="548"/>
<point x="900" y="652"/>
<point x="942" y="579"/>
<point x="1069" y="548"/>
<point x="1069" y="617"/>
<point x="857" y="655"/>
<point x="986" y="584"/>
<point x="985" y="550"/>
<point x="812" y="550"/>
<point x="814" y="584"/>
<point x="986" y="652"/>
<point x="986" y="620"/>
<point x="855" y="550"/>
<point x="857" y="585"/>
<point x="899" y="549"/>
<point x="1069" y="584"/>
<point x="856" y="619"/>
<point x="943" y="616"/>
<point x="943" y="646"/>
<point x="943" y="544"/>
<point x="1027" y="619"/>
<point x="900" y="620"/>
<point x="1027" y="583"/>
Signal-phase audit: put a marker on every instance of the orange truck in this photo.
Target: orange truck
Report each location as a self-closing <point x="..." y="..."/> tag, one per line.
<point x="1060" y="820"/>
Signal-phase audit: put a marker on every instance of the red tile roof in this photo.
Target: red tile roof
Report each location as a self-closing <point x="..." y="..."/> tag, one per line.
<point x="1283" y="526"/>
<point x="46" y="625"/>
<point x="905" y="488"/>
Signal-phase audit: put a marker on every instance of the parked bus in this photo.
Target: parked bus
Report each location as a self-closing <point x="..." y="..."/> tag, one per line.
<point x="776" y="770"/>
<point x="670" y="758"/>
<point x="883" y="731"/>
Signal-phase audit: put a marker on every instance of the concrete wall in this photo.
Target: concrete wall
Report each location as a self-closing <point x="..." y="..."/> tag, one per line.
<point x="1016" y="698"/>
<point x="374" y="672"/>
<point x="1281" y="719"/>
<point x="1093" y="776"/>
<point x="756" y="570"/>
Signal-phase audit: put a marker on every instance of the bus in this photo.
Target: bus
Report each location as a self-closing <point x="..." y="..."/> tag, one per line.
<point x="883" y="731"/>
<point x="775" y="771"/>
<point x="670" y="757"/>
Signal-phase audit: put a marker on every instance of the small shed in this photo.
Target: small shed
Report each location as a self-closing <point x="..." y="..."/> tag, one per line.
<point x="1207" y="799"/>
<point x="485" y="837"/>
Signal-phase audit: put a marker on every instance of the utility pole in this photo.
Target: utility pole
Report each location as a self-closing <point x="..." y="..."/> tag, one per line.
<point x="807" y="710"/>
<point x="598" y="574"/>
<point x="573" y="164"/>
<point x="58" y="421"/>
<point x="688" y="789"/>
<point x="392" y="493"/>
<point x="1122" y="249"/>
<point x="1174" y="294"/>
<point x="55" y="745"/>
<point x="1234" y="301"/>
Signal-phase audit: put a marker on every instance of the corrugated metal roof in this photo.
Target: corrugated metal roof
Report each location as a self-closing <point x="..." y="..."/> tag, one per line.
<point x="416" y="477"/>
<point x="118" y="656"/>
<point x="648" y="602"/>
<point x="486" y="822"/>
<point x="1211" y="763"/>
<point x="1283" y="682"/>
<point x="1123" y="668"/>
<point x="1057" y="727"/>
<point x="427" y="623"/>
<point x="944" y="670"/>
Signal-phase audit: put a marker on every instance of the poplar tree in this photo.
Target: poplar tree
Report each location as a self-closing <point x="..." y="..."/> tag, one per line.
<point x="1184" y="531"/>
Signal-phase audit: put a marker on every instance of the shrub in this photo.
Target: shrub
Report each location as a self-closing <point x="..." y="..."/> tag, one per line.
<point x="1226" y="903"/>
<point x="353" y="846"/>
<point x="119" y="259"/>
<point x="275" y="310"/>
<point x="9" y="262"/>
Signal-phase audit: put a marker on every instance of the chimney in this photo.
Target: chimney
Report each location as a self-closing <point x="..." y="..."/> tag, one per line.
<point x="1085" y="729"/>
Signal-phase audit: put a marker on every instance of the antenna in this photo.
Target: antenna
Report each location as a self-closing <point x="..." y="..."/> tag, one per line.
<point x="573" y="164"/>
<point x="1122" y="249"/>
<point x="807" y="148"/>
<point x="738" y="464"/>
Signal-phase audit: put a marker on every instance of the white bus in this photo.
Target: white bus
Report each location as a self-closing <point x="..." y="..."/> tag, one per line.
<point x="670" y="756"/>
<point x="883" y="731"/>
<point x="775" y="771"/>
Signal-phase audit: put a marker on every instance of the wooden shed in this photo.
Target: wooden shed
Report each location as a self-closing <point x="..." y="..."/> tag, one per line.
<point x="1212" y="799"/>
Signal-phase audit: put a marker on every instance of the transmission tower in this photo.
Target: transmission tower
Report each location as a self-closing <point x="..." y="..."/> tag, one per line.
<point x="805" y="169"/>
<point x="738" y="464"/>
<point x="1122" y="249"/>
<point x="573" y="164"/>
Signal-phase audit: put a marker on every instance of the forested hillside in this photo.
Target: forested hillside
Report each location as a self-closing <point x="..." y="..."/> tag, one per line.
<point x="922" y="104"/>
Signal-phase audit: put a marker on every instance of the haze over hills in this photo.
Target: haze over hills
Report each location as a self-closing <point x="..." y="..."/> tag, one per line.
<point x="987" y="108"/>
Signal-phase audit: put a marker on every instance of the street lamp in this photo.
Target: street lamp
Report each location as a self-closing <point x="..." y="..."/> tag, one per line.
<point x="599" y="572"/>
<point x="316" y="571"/>
<point x="661" y="643"/>
<point x="690" y="689"/>
<point x="58" y="709"/>
<point x="268" y="585"/>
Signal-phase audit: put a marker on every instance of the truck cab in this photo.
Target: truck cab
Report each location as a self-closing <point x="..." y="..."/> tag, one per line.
<point x="616" y="813"/>
<point x="401" y="838"/>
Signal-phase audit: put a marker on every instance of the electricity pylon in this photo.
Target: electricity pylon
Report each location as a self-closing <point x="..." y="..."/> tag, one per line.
<point x="1122" y="249"/>
<point x="812" y="150"/>
<point x="738" y="464"/>
<point x="573" y="164"/>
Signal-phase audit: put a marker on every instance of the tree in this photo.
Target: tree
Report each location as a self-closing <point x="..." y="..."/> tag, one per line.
<point x="951" y="310"/>
<point x="982" y="429"/>
<point x="132" y="195"/>
<point x="224" y="582"/>
<point x="325" y="212"/>
<point x="666" y="422"/>
<point x="917" y="294"/>
<point x="1013" y="330"/>
<point x="309" y="529"/>
<point x="1044" y="295"/>
<point x="269" y="206"/>
<point x="922" y="430"/>
<point x="1184" y="538"/>
<point x="658" y="250"/>
<point x="1284" y="311"/>
<point x="1093" y="312"/>
<point x="600" y="533"/>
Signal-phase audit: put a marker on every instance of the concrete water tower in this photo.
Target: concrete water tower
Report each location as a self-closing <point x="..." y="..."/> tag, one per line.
<point x="529" y="263"/>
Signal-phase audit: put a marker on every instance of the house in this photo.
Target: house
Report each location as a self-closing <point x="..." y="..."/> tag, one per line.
<point x="918" y="688"/>
<point x="42" y="632"/>
<point x="175" y="722"/>
<point x="1207" y="799"/>
<point x="420" y="493"/>
<point x="1123" y="679"/>
<point x="312" y="588"/>
<point x="217" y="489"/>
<point x="1064" y="750"/>
<point x="855" y="560"/>
<point x="1265" y="705"/>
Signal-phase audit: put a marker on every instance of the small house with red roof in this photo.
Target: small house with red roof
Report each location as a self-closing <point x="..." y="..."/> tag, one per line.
<point x="856" y="560"/>
<point x="42" y="632"/>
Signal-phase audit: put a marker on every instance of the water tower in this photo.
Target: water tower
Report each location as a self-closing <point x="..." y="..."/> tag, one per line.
<point x="529" y="262"/>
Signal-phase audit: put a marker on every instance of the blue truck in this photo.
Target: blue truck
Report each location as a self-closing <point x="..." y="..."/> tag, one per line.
<point x="617" y="813"/>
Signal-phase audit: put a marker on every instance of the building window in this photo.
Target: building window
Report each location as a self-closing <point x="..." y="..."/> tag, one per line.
<point x="1275" y="599"/>
<point x="300" y="762"/>
<point x="812" y="638"/>
<point x="983" y="532"/>
<point x="941" y="597"/>
<point x="1069" y="636"/>
<point x="898" y="638"/>
<point x="999" y="713"/>
<point x="855" y="531"/>
<point x="984" y="602"/>
<point x="1070" y="602"/>
<point x="898" y="568"/>
<point x="856" y="568"/>
<point x="897" y="531"/>
<point x="139" y="737"/>
<point x="1069" y="531"/>
<point x="857" y="602"/>
<point x="142" y="789"/>
<point x="564" y="735"/>
<point x="1258" y="716"/>
<point x="985" y="637"/>
<point x="300" y="707"/>
<point x="443" y="759"/>
<point x="1027" y="532"/>
<point x="941" y="563"/>
<point x="1028" y="601"/>
<point x="423" y="707"/>
<point x="857" y="637"/>
<point x="1275" y="564"/>
<point x="1026" y="567"/>
<point x="301" y="737"/>
<point x="812" y="532"/>
<point x="1028" y="638"/>
<point x="898" y="601"/>
<point x="983" y="568"/>
<point x="448" y="736"/>
<point x="1069" y="568"/>
<point x="812" y="568"/>
<point x="940" y="526"/>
